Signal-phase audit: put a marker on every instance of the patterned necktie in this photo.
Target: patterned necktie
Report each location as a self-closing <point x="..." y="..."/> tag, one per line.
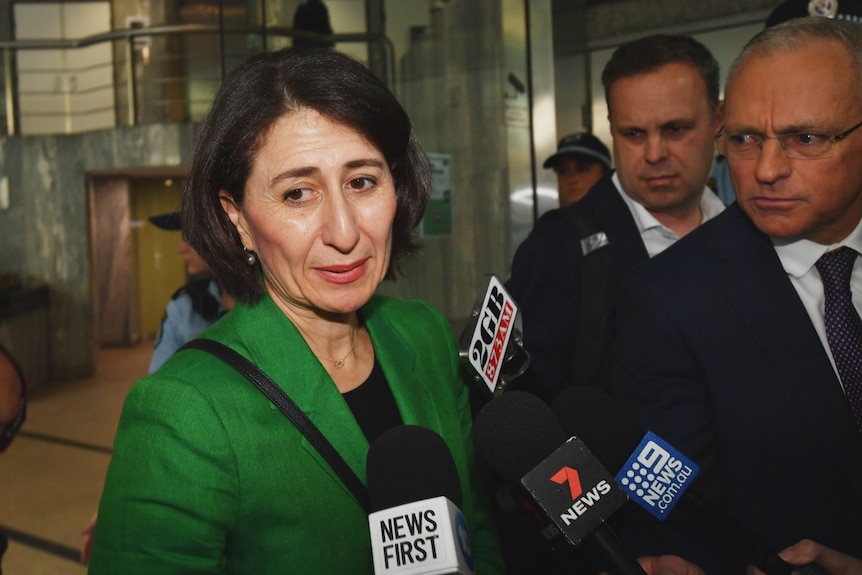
<point x="843" y="326"/>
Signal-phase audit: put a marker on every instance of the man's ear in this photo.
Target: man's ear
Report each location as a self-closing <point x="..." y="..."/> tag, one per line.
<point x="719" y="116"/>
<point x="234" y="212"/>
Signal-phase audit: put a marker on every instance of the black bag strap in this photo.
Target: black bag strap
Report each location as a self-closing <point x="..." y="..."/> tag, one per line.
<point x="595" y="313"/>
<point x="287" y="406"/>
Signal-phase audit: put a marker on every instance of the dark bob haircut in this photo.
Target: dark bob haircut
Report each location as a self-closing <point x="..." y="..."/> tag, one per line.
<point x="252" y="98"/>
<point x="650" y="53"/>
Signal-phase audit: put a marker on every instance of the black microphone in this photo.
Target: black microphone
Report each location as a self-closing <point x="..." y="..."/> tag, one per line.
<point x="520" y="440"/>
<point x="416" y="525"/>
<point x="656" y="475"/>
<point x="492" y="341"/>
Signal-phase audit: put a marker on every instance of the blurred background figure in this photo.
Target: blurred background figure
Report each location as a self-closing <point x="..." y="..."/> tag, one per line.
<point x="312" y="16"/>
<point x="12" y="409"/>
<point x="12" y="395"/>
<point x="580" y="161"/>
<point x="193" y="307"/>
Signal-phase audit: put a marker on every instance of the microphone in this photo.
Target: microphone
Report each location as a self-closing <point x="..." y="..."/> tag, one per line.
<point x="520" y="440"/>
<point x="492" y="342"/>
<point x="416" y="525"/>
<point x="657" y="476"/>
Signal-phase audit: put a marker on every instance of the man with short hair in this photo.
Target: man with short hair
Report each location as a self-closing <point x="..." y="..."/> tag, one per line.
<point x="742" y="344"/>
<point x="662" y="96"/>
<point x="580" y="162"/>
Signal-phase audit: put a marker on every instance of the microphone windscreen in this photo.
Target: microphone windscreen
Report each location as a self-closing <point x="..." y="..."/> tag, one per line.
<point x="609" y="428"/>
<point x="514" y="432"/>
<point x="409" y="463"/>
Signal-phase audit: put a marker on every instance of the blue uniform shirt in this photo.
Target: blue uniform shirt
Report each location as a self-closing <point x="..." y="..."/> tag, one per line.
<point x="185" y="318"/>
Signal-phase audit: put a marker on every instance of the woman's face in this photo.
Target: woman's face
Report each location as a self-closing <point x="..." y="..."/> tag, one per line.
<point x="318" y="211"/>
<point x="195" y="264"/>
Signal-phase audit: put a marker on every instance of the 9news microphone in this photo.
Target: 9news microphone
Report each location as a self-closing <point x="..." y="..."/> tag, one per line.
<point x="416" y="525"/>
<point x="657" y="476"/>
<point x="520" y="440"/>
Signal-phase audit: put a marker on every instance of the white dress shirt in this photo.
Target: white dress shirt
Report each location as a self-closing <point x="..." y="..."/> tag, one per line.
<point x="656" y="236"/>
<point x="798" y="258"/>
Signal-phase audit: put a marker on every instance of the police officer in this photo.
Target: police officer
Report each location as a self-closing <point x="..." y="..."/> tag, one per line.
<point x="580" y="161"/>
<point x="193" y="307"/>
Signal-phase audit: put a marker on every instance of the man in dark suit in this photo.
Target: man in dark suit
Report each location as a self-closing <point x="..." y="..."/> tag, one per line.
<point x="662" y="96"/>
<point x="726" y="343"/>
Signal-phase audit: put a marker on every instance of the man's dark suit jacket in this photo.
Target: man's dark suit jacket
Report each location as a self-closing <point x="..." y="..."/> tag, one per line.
<point x="546" y="280"/>
<point x="717" y="354"/>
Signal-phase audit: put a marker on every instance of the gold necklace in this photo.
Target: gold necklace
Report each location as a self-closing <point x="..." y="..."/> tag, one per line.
<point x="339" y="363"/>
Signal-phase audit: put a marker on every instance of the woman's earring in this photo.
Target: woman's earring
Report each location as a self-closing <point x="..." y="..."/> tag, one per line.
<point x="250" y="257"/>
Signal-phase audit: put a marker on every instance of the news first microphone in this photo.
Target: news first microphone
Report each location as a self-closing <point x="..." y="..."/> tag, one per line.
<point x="492" y="341"/>
<point x="520" y="440"/>
<point x="416" y="525"/>
<point x="657" y="476"/>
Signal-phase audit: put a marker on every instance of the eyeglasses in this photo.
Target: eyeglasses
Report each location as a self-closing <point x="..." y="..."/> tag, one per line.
<point x="802" y="146"/>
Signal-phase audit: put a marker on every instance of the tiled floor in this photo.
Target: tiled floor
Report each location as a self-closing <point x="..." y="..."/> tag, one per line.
<point x="52" y="475"/>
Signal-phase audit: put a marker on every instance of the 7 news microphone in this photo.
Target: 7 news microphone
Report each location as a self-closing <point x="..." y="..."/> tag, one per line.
<point x="519" y="439"/>
<point x="416" y="525"/>
<point x="656" y="476"/>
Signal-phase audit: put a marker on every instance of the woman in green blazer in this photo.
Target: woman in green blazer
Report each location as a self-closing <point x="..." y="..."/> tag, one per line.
<point x="304" y="190"/>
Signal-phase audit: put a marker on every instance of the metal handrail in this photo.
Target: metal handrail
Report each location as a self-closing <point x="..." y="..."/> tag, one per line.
<point x="10" y="48"/>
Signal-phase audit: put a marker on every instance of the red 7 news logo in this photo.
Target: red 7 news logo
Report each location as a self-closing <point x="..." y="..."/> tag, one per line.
<point x="570" y="476"/>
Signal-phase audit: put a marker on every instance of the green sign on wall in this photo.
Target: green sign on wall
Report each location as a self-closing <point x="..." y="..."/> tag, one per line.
<point x="437" y="221"/>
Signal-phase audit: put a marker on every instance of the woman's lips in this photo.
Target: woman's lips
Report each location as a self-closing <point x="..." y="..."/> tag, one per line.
<point x="343" y="274"/>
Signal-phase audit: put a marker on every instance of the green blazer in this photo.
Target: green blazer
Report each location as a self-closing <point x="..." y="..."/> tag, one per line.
<point x="208" y="476"/>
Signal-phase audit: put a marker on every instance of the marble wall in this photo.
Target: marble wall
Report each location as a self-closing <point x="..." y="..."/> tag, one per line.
<point x="453" y="81"/>
<point x="46" y="230"/>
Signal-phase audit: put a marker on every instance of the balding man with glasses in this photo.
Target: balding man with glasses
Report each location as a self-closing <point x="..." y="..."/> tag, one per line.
<point x="741" y="344"/>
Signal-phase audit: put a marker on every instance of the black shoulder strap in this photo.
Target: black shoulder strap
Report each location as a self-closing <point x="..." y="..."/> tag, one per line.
<point x="275" y="394"/>
<point x="594" y="315"/>
<point x="204" y="303"/>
